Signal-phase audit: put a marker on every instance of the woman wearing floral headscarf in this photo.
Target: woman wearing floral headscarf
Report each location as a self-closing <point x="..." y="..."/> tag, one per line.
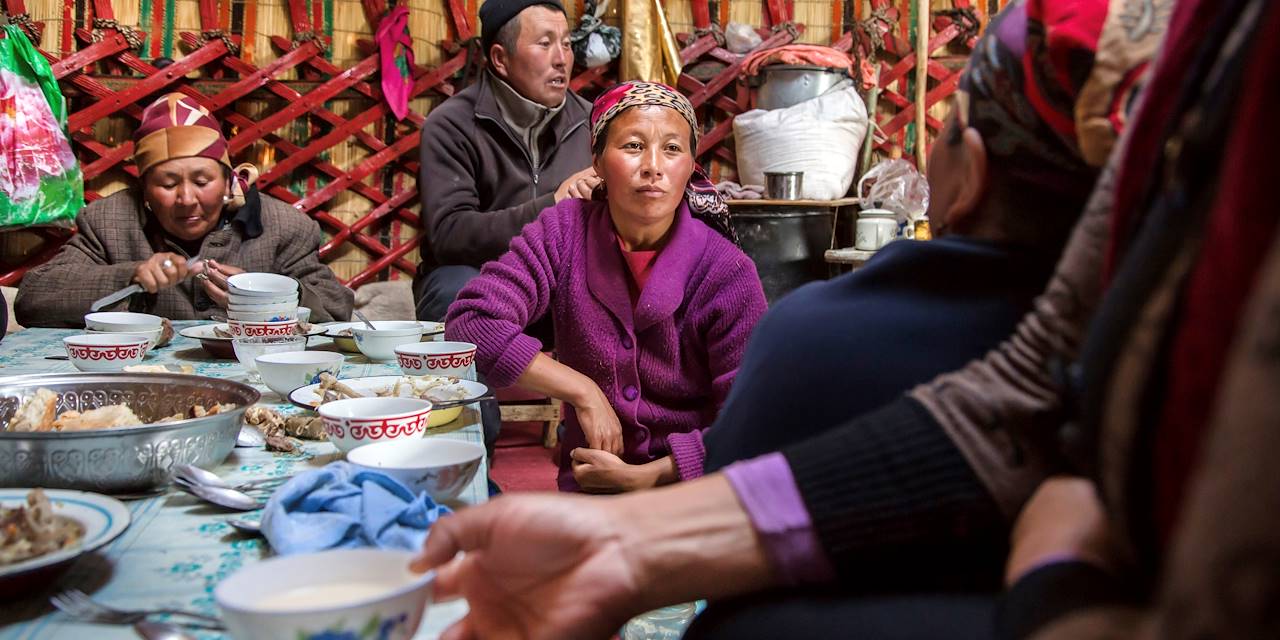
<point x="651" y="299"/>
<point x="189" y="204"/>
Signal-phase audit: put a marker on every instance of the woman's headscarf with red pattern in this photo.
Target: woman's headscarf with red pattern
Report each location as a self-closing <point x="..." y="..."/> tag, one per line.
<point x="704" y="201"/>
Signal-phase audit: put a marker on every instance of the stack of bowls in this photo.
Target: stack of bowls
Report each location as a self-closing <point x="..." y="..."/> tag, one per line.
<point x="262" y="305"/>
<point x="124" y="322"/>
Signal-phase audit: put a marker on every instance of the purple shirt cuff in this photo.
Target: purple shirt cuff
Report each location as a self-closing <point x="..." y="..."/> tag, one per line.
<point x="767" y="490"/>
<point x="689" y="453"/>
<point x="514" y="360"/>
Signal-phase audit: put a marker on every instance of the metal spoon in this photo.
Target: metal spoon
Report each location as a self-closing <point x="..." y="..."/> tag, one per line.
<point x="192" y="474"/>
<point x="196" y="475"/>
<point x="160" y="631"/>
<point x="360" y="316"/>
<point x="245" y="526"/>
<point x="221" y="496"/>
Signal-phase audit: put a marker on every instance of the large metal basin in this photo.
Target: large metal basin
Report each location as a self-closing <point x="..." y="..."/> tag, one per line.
<point x="786" y="85"/>
<point x="127" y="459"/>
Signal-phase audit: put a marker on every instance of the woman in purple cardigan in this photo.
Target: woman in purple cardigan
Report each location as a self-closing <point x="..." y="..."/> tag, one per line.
<point x="651" y="298"/>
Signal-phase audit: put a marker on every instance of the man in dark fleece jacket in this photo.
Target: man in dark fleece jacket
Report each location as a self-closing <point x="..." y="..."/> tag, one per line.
<point x="500" y="151"/>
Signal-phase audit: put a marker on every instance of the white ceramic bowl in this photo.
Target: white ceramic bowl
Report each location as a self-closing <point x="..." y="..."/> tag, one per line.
<point x="341" y="593"/>
<point x="440" y="466"/>
<point x="121" y="321"/>
<point x="285" y="371"/>
<point x="264" y="316"/>
<point x="105" y="351"/>
<point x="356" y="421"/>
<point x="380" y="344"/>
<point x="255" y="329"/>
<point x="260" y="308"/>
<point x="261" y="284"/>
<point x="153" y="335"/>
<point x="290" y="298"/>
<point x="437" y="359"/>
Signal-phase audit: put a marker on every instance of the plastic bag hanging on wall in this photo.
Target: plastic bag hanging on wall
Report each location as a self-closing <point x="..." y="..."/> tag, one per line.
<point x="40" y="179"/>
<point x="594" y="42"/>
<point x="395" y="51"/>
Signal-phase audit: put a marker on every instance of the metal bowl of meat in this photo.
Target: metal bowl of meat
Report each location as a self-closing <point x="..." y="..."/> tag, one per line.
<point x="115" y="432"/>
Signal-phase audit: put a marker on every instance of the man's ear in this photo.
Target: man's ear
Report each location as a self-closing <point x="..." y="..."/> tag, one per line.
<point x="973" y="188"/>
<point x="498" y="60"/>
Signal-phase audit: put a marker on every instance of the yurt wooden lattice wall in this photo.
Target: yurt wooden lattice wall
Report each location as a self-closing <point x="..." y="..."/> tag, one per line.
<point x="295" y="83"/>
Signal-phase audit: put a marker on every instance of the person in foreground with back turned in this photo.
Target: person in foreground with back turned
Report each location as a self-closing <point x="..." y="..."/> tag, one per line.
<point x="1148" y="264"/>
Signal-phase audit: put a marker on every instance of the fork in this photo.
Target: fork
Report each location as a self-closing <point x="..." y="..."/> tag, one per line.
<point x="77" y="604"/>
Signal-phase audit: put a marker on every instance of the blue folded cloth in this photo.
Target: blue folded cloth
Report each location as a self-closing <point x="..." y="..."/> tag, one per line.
<point x="342" y="506"/>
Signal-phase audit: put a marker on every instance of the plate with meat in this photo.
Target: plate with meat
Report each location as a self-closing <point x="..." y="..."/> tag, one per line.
<point x="216" y="338"/>
<point x="448" y="395"/>
<point x="345" y="339"/>
<point x="43" y="530"/>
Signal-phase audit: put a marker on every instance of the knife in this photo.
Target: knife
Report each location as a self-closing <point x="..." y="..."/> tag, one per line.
<point x="102" y="303"/>
<point x="109" y="300"/>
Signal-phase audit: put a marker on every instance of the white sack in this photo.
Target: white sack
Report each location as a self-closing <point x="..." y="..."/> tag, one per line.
<point x="821" y="137"/>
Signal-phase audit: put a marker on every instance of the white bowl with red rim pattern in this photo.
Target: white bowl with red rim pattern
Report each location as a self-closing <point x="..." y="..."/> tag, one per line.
<point x="105" y="351"/>
<point x="359" y="421"/>
<point x="261" y="329"/>
<point x="455" y="359"/>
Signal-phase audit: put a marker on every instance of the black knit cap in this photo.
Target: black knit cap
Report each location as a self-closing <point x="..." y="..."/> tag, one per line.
<point x="496" y="13"/>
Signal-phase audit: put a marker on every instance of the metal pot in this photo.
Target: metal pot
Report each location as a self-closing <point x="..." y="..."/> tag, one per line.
<point x="125" y="459"/>
<point x="786" y="85"/>
<point x="787" y="243"/>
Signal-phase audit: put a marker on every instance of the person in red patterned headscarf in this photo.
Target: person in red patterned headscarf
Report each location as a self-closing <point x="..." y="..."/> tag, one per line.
<point x="651" y="299"/>
<point x="190" y="204"/>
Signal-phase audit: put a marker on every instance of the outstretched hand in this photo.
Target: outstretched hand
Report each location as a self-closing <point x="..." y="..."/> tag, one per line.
<point x="536" y="567"/>
<point x="554" y="567"/>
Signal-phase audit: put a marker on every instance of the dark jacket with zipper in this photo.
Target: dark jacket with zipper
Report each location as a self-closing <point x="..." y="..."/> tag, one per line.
<point x="478" y="183"/>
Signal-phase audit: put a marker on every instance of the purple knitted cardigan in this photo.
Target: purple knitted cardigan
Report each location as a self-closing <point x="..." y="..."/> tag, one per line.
<point x="665" y="365"/>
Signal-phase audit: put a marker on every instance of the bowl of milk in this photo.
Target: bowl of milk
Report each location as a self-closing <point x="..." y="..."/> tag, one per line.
<point x="338" y="593"/>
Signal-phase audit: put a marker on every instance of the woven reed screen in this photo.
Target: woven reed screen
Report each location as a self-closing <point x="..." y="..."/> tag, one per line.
<point x="371" y="220"/>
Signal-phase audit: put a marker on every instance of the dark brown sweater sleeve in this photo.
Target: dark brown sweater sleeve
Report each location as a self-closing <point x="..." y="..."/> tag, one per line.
<point x="893" y="502"/>
<point x="458" y="232"/>
<point x="58" y="293"/>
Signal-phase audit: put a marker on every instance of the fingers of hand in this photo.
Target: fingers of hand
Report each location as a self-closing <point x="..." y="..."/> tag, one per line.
<point x="215" y="293"/>
<point x="144" y="277"/>
<point x="164" y="269"/>
<point x="217" y="276"/>
<point x="467" y="531"/>
<point x="447" y="583"/>
<point x="584" y="455"/>
<point x="461" y="630"/>
<point x="615" y="440"/>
